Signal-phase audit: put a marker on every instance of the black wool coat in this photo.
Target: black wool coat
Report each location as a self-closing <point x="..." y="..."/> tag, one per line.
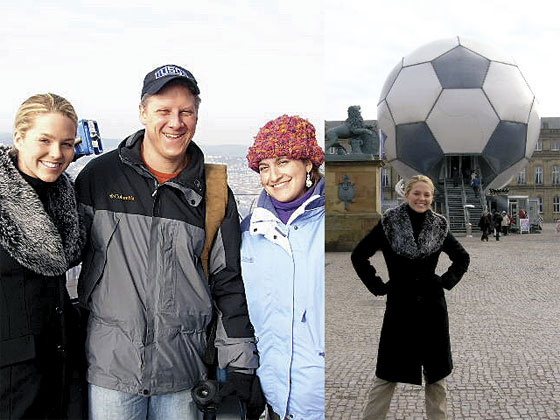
<point x="39" y="341"/>
<point x="415" y="332"/>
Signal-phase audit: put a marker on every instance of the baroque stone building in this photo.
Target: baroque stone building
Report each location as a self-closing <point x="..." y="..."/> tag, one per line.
<point x="541" y="177"/>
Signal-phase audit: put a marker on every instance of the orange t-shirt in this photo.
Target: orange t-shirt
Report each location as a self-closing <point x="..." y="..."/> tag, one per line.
<point x="161" y="176"/>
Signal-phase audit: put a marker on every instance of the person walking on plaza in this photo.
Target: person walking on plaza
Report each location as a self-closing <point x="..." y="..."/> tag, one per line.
<point x="414" y="339"/>
<point x="282" y="260"/>
<point x="40" y="239"/>
<point x="497" y="219"/>
<point x="142" y="276"/>
<point x="485" y="225"/>
<point x="505" y="223"/>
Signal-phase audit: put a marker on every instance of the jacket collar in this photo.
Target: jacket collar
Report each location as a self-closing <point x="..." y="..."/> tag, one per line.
<point x="264" y="219"/>
<point x="398" y="230"/>
<point x="190" y="181"/>
<point x="45" y="244"/>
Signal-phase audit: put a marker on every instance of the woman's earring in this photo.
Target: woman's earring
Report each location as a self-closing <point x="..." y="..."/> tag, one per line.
<point x="308" y="182"/>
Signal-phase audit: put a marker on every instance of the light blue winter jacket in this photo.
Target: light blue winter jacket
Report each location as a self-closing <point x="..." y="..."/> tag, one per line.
<point x="283" y="271"/>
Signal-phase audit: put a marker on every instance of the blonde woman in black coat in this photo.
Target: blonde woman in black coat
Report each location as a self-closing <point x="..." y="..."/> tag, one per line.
<point x="39" y="240"/>
<point x="414" y="338"/>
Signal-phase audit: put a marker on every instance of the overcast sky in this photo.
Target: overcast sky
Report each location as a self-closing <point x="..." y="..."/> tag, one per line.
<point x="254" y="60"/>
<point x="365" y="39"/>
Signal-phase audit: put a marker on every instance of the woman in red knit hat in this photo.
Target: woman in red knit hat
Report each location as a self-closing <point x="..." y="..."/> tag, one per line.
<point x="282" y="260"/>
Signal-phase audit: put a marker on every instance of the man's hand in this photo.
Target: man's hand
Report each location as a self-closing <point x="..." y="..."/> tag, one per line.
<point x="247" y="388"/>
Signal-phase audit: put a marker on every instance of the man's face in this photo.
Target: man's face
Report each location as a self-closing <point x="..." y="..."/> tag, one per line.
<point x="170" y="118"/>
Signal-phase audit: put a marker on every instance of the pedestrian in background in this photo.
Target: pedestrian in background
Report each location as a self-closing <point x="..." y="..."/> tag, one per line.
<point x="497" y="219"/>
<point x="505" y="223"/>
<point x="282" y="261"/>
<point x="485" y="225"/>
<point x="475" y="183"/>
<point x="414" y="338"/>
<point x="40" y="239"/>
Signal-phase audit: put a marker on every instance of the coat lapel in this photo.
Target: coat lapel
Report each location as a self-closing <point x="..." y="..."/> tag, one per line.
<point x="398" y="230"/>
<point x="38" y="242"/>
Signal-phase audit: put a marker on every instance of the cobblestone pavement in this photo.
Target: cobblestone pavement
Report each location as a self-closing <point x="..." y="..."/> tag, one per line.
<point x="505" y="334"/>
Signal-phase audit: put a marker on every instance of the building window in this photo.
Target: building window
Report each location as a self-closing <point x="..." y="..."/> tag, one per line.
<point x="521" y="177"/>
<point x="538" y="175"/>
<point x="556" y="204"/>
<point x="555" y="175"/>
<point x="538" y="146"/>
<point x="555" y="146"/>
<point x="540" y="204"/>
<point x="385" y="177"/>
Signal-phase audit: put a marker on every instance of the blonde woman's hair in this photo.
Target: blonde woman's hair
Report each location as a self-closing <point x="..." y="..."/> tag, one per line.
<point x="418" y="178"/>
<point x="43" y="103"/>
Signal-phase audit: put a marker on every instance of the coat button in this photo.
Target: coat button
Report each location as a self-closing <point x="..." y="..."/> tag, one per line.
<point x="145" y="392"/>
<point x="60" y="348"/>
<point x="59" y="310"/>
<point x="295" y="228"/>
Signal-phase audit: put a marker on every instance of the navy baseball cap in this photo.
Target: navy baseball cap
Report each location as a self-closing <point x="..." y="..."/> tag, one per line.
<point x="158" y="78"/>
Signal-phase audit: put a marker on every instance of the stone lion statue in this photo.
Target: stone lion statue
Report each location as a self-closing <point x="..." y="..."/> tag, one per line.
<point x="362" y="138"/>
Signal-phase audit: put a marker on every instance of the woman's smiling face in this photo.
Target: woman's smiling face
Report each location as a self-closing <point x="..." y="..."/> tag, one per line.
<point x="46" y="149"/>
<point x="284" y="178"/>
<point x="420" y="197"/>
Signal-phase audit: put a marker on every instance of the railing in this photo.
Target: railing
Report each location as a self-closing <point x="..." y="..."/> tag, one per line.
<point x="446" y="202"/>
<point x="464" y="203"/>
<point x="481" y="197"/>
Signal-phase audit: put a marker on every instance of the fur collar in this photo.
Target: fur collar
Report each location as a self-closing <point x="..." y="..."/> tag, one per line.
<point x="44" y="244"/>
<point x="398" y="230"/>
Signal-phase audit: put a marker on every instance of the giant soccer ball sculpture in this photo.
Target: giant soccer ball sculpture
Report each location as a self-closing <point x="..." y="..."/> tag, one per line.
<point x="457" y="97"/>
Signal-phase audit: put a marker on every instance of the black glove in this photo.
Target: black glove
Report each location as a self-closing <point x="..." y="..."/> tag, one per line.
<point x="237" y="384"/>
<point x="257" y="402"/>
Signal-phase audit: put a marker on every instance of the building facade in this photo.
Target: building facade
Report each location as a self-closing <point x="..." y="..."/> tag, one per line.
<point x="540" y="179"/>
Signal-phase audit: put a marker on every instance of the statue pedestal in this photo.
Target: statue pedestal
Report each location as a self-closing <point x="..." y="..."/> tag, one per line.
<point x="356" y="178"/>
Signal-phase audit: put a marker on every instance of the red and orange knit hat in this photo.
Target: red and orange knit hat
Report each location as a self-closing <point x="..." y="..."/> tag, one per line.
<point x="293" y="137"/>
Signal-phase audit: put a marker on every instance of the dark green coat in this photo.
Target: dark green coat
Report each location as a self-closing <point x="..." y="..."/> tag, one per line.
<point x="415" y="331"/>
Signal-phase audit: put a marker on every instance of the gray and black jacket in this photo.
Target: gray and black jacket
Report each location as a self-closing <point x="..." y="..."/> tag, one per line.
<point x="142" y="279"/>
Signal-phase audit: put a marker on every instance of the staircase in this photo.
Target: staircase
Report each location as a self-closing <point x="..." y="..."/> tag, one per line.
<point x="456" y="212"/>
<point x="476" y="212"/>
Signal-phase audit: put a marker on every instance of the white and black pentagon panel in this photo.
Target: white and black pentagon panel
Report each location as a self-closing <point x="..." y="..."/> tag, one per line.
<point x="457" y="96"/>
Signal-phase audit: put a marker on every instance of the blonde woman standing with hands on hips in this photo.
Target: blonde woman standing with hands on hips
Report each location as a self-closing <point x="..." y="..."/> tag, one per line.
<point x="282" y="261"/>
<point x="39" y="240"/>
<point x="414" y="338"/>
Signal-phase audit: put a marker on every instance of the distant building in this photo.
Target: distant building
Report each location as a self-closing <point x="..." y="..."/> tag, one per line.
<point x="541" y="177"/>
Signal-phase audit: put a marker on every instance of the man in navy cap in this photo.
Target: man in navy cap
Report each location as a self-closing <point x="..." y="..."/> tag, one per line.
<point x="142" y="279"/>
